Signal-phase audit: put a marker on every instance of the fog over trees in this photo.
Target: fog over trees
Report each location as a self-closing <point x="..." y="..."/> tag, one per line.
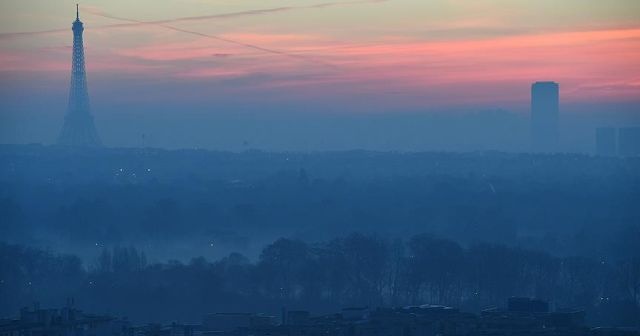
<point x="180" y="204"/>
<point x="169" y="235"/>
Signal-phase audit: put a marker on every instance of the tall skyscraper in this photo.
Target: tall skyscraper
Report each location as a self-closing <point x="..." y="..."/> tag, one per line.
<point x="629" y="141"/>
<point x="79" y="129"/>
<point x="545" y="107"/>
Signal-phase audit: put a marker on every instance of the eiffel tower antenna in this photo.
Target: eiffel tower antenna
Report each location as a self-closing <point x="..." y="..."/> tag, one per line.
<point x="79" y="129"/>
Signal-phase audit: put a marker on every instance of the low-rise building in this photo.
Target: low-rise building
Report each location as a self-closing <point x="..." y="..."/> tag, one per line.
<point x="67" y="321"/>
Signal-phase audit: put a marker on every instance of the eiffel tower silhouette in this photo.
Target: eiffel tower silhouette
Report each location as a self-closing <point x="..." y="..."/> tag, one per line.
<point x="79" y="129"/>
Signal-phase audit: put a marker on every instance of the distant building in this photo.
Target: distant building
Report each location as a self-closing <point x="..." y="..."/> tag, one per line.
<point x="545" y="110"/>
<point x="175" y="329"/>
<point x="66" y="321"/>
<point x="606" y="142"/>
<point x="523" y="316"/>
<point x="527" y="305"/>
<point x="355" y="313"/>
<point x="298" y="317"/>
<point x="227" y="322"/>
<point x="629" y="141"/>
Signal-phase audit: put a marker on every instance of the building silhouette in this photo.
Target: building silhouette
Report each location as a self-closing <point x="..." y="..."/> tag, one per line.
<point x="545" y="102"/>
<point x="629" y="141"/>
<point x="78" y="129"/>
<point x="66" y="321"/>
<point x="606" y="142"/>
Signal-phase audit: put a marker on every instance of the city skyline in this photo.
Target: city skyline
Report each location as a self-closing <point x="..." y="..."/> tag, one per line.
<point x="153" y="67"/>
<point x="405" y="50"/>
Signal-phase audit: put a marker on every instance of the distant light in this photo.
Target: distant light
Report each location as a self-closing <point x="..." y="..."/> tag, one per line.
<point x="121" y="169"/>
<point x="148" y="169"/>
<point x="211" y="244"/>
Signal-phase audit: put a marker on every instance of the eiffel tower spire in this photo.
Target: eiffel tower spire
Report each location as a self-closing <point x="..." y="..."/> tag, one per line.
<point x="79" y="129"/>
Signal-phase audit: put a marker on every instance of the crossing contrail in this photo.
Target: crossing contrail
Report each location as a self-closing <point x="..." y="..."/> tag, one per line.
<point x="215" y="37"/>
<point x="253" y="12"/>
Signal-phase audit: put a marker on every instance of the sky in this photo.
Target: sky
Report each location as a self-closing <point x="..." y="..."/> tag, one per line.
<point x="172" y="68"/>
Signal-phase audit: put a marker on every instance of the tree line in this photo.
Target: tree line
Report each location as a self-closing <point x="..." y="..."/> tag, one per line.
<point x="354" y="270"/>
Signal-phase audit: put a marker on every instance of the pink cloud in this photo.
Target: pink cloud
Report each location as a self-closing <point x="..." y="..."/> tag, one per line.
<point x="598" y="64"/>
<point x="571" y="58"/>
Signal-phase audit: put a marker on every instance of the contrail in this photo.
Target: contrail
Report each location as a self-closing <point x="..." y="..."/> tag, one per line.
<point x="196" y="18"/>
<point x="262" y="11"/>
<point x="214" y="37"/>
<point x="32" y="33"/>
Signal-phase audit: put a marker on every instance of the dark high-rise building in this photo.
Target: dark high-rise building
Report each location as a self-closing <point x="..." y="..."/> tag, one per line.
<point x="606" y="143"/>
<point x="79" y="129"/>
<point x="629" y="141"/>
<point x="545" y="106"/>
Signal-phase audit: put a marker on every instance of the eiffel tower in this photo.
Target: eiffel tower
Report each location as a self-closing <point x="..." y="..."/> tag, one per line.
<point x="79" y="129"/>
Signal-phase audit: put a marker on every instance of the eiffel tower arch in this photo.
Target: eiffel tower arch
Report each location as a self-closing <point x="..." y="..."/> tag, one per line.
<point x="79" y="129"/>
